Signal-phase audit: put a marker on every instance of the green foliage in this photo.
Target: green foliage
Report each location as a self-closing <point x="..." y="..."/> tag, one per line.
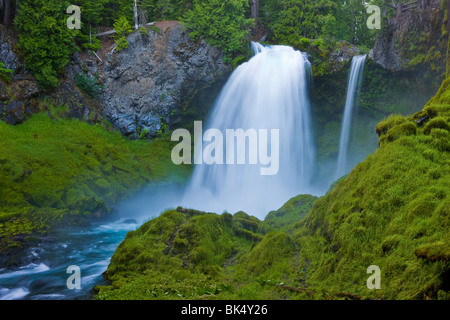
<point x="93" y="13"/>
<point x="58" y="171"/>
<point x="293" y="211"/>
<point x="123" y="28"/>
<point x="89" y="85"/>
<point x="221" y="24"/>
<point x="289" y="21"/>
<point x="5" y="74"/>
<point x="143" y="31"/>
<point x="163" y="127"/>
<point x="165" y="9"/>
<point x="44" y="38"/>
<point x="390" y="211"/>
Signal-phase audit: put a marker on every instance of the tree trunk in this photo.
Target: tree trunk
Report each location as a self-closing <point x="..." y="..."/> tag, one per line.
<point x="254" y="7"/>
<point x="136" y="23"/>
<point x="399" y="9"/>
<point x="448" y="40"/>
<point x="7" y="13"/>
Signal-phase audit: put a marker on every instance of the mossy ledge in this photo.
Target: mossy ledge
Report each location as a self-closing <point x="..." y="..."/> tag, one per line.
<point x="59" y="172"/>
<point x="392" y="211"/>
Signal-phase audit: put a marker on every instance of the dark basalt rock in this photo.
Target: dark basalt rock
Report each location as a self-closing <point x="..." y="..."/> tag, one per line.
<point x="146" y="84"/>
<point x="408" y="35"/>
<point x="8" y="51"/>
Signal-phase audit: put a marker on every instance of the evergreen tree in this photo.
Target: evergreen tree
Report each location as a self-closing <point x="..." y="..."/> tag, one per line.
<point x="93" y="13"/>
<point x="44" y="38"/>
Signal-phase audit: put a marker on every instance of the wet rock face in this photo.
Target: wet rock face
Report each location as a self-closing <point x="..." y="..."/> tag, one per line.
<point x="407" y="36"/>
<point x="146" y="84"/>
<point x="143" y="86"/>
<point x="17" y="101"/>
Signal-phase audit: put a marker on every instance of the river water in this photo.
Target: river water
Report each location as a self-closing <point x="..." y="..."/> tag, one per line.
<point x="46" y="277"/>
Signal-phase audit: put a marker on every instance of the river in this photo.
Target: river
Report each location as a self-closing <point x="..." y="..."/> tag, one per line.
<point x="46" y="277"/>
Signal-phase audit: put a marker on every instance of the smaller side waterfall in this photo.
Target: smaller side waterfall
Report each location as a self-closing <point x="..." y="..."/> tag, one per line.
<point x="354" y="85"/>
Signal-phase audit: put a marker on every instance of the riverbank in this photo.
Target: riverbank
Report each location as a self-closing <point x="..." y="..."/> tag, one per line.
<point x="64" y="172"/>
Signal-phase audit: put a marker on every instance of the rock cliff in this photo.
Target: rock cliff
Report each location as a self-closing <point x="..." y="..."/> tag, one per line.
<point x="145" y="85"/>
<point x="413" y="38"/>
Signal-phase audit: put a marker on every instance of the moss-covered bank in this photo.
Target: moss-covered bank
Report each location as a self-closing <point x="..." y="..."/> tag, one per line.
<point x="56" y="171"/>
<point x="392" y="211"/>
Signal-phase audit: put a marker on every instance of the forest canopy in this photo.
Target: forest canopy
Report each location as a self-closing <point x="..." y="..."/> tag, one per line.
<point x="47" y="43"/>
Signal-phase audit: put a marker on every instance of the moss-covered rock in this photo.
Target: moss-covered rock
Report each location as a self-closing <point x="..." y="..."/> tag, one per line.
<point x="436" y="123"/>
<point x="193" y="248"/>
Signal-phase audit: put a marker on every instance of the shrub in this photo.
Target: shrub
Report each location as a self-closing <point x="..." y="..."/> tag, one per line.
<point x="5" y="74"/>
<point x="123" y="28"/>
<point x="143" y="31"/>
<point x="88" y="85"/>
<point x="44" y="38"/>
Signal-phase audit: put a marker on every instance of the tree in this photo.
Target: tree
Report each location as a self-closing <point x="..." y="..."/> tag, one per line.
<point x="123" y="28"/>
<point x="221" y="23"/>
<point x="291" y="20"/>
<point x="44" y="38"/>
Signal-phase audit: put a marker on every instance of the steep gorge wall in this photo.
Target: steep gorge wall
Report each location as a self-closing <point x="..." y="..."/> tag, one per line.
<point x="144" y="88"/>
<point x="147" y="85"/>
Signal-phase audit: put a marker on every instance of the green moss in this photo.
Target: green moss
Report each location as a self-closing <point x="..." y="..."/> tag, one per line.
<point x="264" y="258"/>
<point x="403" y="130"/>
<point x="292" y="212"/>
<point x="436" y="251"/>
<point x="55" y="171"/>
<point x="102" y="184"/>
<point x="391" y="209"/>
<point x="438" y="123"/>
<point x="191" y="246"/>
<point x="384" y="126"/>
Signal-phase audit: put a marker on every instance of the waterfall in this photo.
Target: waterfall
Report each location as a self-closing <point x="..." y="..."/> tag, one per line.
<point x="268" y="92"/>
<point x="354" y="84"/>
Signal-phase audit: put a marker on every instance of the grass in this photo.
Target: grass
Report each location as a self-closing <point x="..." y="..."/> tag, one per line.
<point x="61" y="171"/>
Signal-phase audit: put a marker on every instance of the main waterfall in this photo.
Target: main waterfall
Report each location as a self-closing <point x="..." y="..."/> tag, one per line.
<point x="268" y="92"/>
<point x="354" y="81"/>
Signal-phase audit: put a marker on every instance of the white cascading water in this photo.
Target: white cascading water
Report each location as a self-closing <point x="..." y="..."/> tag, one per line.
<point x="354" y="81"/>
<point x="268" y="92"/>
